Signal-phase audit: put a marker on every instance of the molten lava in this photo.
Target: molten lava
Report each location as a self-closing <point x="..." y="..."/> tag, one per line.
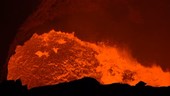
<point x="57" y="57"/>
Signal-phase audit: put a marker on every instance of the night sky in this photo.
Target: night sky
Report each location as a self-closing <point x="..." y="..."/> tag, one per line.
<point x="142" y="25"/>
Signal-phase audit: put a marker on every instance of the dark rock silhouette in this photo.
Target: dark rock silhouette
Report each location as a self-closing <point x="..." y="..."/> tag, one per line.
<point x="13" y="88"/>
<point x="83" y="87"/>
<point x="141" y="83"/>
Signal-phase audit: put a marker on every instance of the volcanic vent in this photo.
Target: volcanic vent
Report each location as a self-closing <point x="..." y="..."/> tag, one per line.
<point x="56" y="57"/>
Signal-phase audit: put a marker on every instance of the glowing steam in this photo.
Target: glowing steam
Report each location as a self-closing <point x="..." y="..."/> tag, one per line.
<point x="57" y="57"/>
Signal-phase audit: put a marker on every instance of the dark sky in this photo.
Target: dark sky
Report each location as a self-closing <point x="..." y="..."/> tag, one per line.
<point x="143" y="25"/>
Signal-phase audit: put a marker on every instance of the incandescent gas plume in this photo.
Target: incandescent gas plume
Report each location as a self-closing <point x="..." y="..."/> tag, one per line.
<point x="56" y="57"/>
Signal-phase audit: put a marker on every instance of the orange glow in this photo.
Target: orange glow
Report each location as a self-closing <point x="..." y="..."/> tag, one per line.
<point x="56" y="57"/>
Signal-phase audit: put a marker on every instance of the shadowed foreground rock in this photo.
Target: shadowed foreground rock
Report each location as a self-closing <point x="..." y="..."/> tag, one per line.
<point x="83" y="87"/>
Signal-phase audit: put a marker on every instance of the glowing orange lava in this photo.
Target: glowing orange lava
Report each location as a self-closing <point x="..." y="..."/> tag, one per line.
<point x="57" y="57"/>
